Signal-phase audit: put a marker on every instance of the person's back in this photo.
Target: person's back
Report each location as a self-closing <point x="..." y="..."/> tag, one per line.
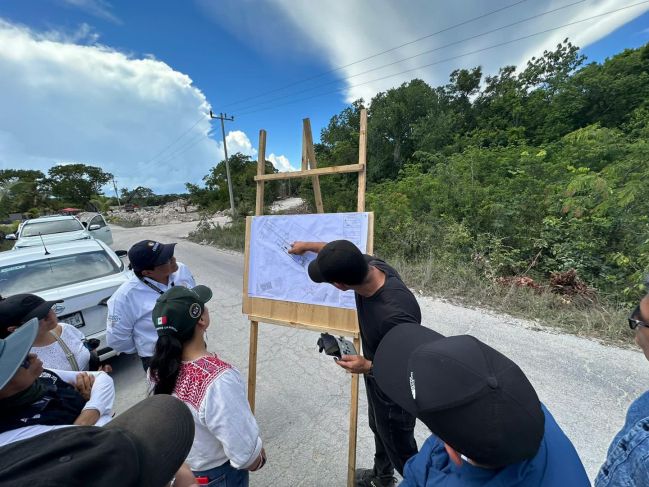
<point x="227" y="443"/>
<point x="489" y="426"/>
<point x="215" y="394"/>
<point x="555" y="465"/>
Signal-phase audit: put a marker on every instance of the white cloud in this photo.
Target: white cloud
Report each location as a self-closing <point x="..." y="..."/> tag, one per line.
<point x="344" y="32"/>
<point x="281" y="163"/>
<point x="238" y="141"/>
<point x="98" y="8"/>
<point x="98" y="106"/>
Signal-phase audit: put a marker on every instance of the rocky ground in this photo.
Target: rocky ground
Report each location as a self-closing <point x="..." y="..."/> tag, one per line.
<point x="180" y="211"/>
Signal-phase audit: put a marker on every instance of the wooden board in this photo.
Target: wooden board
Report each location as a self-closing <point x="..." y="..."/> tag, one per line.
<point x="341" y="321"/>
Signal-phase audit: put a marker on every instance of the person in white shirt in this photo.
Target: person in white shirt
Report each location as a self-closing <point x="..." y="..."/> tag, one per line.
<point x="34" y="400"/>
<point x="227" y="442"/>
<point x="58" y="345"/>
<point x="129" y="328"/>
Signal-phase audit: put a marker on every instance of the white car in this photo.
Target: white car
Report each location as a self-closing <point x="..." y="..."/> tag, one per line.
<point x="97" y="226"/>
<point x="83" y="273"/>
<point x="48" y="230"/>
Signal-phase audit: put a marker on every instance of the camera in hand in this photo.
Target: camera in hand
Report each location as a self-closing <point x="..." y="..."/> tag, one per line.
<point x="336" y="347"/>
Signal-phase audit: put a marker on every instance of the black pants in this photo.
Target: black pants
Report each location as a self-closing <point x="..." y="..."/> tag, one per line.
<point x="393" y="430"/>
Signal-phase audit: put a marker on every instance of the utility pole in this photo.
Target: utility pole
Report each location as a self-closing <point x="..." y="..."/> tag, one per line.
<point x="116" y="193"/>
<point x="222" y="117"/>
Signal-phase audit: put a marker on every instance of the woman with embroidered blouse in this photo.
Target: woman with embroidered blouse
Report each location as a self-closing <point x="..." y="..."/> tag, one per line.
<point x="226" y="444"/>
<point x="58" y="345"/>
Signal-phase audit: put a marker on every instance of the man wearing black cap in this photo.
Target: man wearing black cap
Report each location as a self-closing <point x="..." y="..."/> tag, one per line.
<point x="489" y="427"/>
<point x="383" y="301"/>
<point x="129" y="328"/>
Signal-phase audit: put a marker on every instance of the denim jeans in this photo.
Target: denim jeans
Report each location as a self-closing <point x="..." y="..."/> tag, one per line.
<point x="393" y="430"/>
<point x="224" y="476"/>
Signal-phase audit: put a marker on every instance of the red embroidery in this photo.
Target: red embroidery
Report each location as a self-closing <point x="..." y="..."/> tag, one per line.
<point x="195" y="377"/>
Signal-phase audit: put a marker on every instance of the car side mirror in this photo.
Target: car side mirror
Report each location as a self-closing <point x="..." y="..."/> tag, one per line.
<point x="10" y="236"/>
<point x="94" y="227"/>
<point x="121" y="253"/>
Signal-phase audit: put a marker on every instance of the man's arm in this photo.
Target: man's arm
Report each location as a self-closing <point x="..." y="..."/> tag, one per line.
<point x="300" y="248"/>
<point x="102" y="394"/>
<point x="119" y="326"/>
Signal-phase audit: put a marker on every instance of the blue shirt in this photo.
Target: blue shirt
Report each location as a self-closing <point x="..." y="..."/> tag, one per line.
<point x="555" y="465"/>
<point x="626" y="464"/>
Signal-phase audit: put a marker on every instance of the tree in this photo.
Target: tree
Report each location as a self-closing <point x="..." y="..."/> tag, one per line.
<point x="215" y="196"/>
<point x="77" y="183"/>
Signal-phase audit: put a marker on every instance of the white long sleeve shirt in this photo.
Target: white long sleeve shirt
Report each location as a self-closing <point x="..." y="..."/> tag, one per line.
<point x="226" y="429"/>
<point x="102" y="398"/>
<point x="129" y="327"/>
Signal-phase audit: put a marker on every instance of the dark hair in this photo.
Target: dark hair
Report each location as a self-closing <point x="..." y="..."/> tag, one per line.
<point x="138" y="272"/>
<point x="165" y="364"/>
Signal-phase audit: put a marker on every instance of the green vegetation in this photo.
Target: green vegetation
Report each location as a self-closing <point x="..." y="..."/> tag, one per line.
<point x="520" y="177"/>
<point x="214" y="195"/>
<point x="231" y="236"/>
<point x="31" y="193"/>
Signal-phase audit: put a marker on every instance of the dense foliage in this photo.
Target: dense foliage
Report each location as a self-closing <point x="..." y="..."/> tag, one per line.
<point x="215" y="196"/>
<point x="528" y="172"/>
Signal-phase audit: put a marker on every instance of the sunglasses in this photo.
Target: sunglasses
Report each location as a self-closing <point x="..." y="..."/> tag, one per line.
<point x="633" y="322"/>
<point x="26" y="363"/>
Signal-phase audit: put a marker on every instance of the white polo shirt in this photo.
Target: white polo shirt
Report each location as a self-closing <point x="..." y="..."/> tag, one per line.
<point x="129" y="328"/>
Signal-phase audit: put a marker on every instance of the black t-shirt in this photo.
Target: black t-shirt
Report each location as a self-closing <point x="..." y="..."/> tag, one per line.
<point x="392" y="305"/>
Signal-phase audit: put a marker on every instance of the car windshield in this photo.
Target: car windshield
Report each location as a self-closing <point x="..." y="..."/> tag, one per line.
<point x="47" y="228"/>
<point x="53" y="272"/>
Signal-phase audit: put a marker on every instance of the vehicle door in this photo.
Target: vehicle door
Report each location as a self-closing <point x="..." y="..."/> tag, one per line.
<point x="100" y="230"/>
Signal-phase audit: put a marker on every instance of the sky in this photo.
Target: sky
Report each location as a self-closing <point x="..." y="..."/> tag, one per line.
<point x="128" y="85"/>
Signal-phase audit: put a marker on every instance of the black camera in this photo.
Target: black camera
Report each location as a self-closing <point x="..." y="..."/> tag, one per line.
<point x="336" y="347"/>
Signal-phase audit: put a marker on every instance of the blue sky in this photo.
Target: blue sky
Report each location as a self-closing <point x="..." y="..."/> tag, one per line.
<point x="125" y="85"/>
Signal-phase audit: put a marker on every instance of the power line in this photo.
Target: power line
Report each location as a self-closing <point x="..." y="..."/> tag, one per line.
<point x="428" y="51"/>
<point x="449" y="58"/>
<point x="182" y="149"/>
<point x="446" y="29"/>
<point x="175" y="140"/>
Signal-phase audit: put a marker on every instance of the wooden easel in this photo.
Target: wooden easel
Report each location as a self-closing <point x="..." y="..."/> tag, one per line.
<point x="310" y="317"/>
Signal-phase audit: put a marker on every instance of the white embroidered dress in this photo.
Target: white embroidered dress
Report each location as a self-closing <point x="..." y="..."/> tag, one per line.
<point x="226" y="429"/>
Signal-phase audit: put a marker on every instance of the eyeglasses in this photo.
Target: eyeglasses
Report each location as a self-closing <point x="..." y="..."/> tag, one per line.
<point x="26" y="363"/>
<point x="633" y="322"/>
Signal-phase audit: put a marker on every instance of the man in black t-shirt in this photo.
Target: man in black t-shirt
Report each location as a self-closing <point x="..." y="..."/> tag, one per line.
<point x="383" y="301"/>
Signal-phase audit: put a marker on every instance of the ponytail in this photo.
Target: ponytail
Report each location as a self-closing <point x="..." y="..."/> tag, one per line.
<point x="165" y="364"/>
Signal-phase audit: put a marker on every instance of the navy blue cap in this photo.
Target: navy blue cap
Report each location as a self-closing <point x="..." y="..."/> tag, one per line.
<point x="147" y="254"/>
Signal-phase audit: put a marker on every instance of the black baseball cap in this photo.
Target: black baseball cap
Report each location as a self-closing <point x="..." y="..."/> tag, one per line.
<point x="339" y="261"/>
<point x="178" y="309"/>
<point x="19" y="308"/>
<point x="147" y="254"/>
<point x="142" y="447"/>
<point x="469" y="395"/>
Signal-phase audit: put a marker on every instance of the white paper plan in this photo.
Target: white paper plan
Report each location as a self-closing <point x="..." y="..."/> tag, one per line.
<point x="276" y="274"/>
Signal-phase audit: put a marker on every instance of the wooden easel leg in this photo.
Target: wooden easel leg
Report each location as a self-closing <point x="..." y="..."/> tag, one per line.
<point x="252" y="364"/>
<point x="353" y="426"/>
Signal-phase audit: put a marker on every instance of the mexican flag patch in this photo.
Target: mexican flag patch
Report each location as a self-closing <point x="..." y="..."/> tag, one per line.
<point x="162" y="320"/>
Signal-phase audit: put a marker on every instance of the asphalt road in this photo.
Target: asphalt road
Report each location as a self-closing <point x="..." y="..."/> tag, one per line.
<point x="303" y="397"/>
